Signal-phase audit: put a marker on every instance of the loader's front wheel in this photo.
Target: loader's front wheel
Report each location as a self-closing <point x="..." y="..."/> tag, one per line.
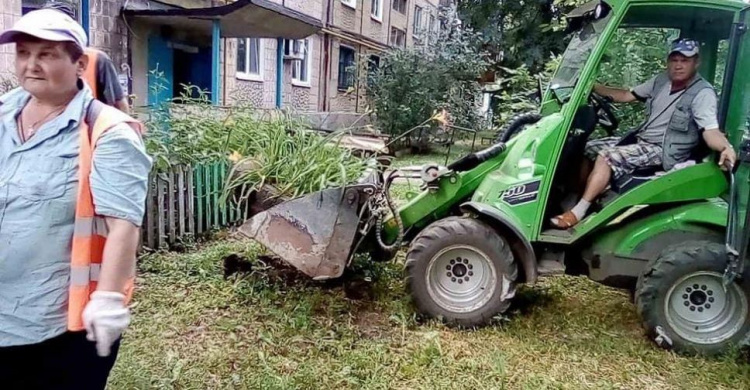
<point x="462" y="271"/>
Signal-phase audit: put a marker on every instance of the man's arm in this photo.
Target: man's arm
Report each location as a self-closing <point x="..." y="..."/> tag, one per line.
<point x="123" y="105"/>
<point x="110" y="91"/>
<point x="640" y="92"/>
<point x="705" y="115"/>
<point x="618" y="95"/>
<point x="716" y="140"/>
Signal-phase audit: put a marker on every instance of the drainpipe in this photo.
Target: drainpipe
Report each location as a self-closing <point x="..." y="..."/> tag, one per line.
<point x="85" y="17"/>
<point x="279" y="70"/>
<point x="327" y="52"/>
<point x="215" y="61"/>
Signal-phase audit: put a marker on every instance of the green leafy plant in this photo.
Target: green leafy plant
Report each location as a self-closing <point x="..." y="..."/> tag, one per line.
<point x="283" y="154"/>
<point x="275" y="150"/>
<point x="442" y="73"/>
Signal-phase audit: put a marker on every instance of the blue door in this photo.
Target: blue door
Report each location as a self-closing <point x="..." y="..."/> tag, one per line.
<point x="160" y="70"/>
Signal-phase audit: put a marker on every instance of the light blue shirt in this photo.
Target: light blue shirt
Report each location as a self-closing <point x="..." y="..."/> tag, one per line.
<point x="38" y="185"/>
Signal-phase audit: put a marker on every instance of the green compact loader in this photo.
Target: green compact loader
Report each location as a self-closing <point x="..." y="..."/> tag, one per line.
<point x="676" y="240"/>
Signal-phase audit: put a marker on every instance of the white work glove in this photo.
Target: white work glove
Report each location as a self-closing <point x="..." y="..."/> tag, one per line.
<point x="105" y="318"/>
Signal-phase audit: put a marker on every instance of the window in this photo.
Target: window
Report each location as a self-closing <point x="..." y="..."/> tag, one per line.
<point x="417" y="20"/>
<point x="350" y="3"/>
<point x="398" y="37"/>
<point x="249" y="61"/>
<point x="373" y="65"/>
<point x="376" y="11"/>
<point x="400" y="6"/>
<point x="300" y="68"/>
<point x="431" y="25"/>
<point x="346" y="67"/>
<point x="32" y="5"/>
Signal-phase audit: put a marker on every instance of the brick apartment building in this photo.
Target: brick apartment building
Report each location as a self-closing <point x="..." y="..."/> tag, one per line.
<point x="171" y="42"/>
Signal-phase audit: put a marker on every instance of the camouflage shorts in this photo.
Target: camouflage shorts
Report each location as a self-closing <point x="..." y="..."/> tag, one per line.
<point x="624" y="159"/>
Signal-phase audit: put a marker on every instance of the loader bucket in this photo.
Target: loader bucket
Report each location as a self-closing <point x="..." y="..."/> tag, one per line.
<point x="314" y="233"/>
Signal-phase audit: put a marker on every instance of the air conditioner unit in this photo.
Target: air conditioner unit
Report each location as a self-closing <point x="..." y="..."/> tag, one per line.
<point x="292" y="53"/>
<point x="294" y="57"/>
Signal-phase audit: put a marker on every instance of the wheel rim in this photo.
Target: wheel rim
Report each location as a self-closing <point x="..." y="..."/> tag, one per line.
<point x="701" y="312"/>
<point x="461" y="279"/>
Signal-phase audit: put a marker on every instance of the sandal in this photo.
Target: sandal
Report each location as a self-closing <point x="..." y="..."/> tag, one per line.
<point x="565" y="221"/>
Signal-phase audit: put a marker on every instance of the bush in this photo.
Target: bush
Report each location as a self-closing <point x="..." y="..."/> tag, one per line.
<point x="412" y="85"/>
<point x="275" y="149"/>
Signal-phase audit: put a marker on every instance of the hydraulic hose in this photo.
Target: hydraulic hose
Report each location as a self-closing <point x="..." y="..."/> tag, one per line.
<point x="379" y="223"/>
<point x="472" y="160"/>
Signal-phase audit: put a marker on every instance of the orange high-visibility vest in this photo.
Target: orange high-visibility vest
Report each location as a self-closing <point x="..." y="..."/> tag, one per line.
<point x="90" y="232"/>
<point x="89" y="75"/>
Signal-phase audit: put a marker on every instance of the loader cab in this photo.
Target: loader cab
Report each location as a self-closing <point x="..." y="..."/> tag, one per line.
<point x="623" y="44"/>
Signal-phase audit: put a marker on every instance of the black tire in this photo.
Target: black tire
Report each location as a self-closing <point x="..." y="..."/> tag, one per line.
<point x="702" y="262"/>
<point x="457" y="235"/>
<point x="515" y="125"/>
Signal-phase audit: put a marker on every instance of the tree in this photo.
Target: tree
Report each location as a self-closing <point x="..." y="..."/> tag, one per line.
<point x="411" y="85"/>
<point x="519" y="32"/>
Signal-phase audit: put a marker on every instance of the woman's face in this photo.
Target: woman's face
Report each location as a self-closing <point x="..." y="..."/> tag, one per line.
<point x="45" y="69"/>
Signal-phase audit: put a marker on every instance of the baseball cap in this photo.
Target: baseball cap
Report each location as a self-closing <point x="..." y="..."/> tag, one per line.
<point x="48" y="25"/>
<point x="686" y="47"/>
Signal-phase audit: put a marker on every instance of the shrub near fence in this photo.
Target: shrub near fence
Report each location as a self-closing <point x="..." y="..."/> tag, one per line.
<point x="185" y="202"/>
<point x="194" y="144"/>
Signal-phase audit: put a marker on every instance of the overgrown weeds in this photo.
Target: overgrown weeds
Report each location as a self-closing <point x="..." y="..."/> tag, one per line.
<point x="265" y="148"/>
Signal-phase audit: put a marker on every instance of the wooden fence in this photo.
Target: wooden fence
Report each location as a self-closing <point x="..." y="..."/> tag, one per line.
<point x="184" y="203"/>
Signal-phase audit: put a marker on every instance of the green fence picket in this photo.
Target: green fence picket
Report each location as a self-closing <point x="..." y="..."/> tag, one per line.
<point x="222" y="180"/>
<point x="209" y="206"/>
<point x="198" y="175"/>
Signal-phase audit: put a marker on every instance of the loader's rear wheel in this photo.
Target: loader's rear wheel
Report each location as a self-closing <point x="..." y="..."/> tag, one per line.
<point x="461" y="271"/>
<point x="682" y="301"/>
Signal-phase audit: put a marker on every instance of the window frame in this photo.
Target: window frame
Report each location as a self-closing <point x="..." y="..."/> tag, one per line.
<point x="403" y="10"/>
<point x="247" y="75"/>
<point x="379" y="16"/>
<point x="350" y="3"/>
<point x="403" y="34"/>
<point x="370" y="68"/>
<point x="418" y="19"/>
<point x="297" y="65"/>
<point x="354" y="62"/>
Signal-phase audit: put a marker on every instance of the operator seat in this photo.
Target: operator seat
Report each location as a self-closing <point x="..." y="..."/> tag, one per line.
<point x="642" y="175"/>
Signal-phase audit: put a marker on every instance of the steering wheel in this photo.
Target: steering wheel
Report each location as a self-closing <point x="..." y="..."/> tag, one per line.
<point x="604" y="113"/>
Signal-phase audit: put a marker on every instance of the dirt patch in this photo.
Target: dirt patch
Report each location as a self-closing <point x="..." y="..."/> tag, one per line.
<point x="372" y="324"/>
<point x="281" y="273"/>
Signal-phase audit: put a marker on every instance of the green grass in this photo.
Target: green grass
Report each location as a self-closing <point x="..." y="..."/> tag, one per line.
<point x="272" y="329"/>
<point x="268" y="329"/>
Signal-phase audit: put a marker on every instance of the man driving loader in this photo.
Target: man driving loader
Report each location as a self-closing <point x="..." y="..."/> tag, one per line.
<point x="681" y="107"/>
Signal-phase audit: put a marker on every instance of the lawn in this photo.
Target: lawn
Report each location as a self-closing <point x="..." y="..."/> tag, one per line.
<point x="268" y="328"/>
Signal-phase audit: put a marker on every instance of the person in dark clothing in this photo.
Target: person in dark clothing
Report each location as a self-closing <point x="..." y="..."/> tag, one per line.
<point x="102" y="75"/>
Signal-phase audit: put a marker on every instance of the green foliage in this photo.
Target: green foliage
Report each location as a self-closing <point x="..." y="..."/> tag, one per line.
<point x="184" y="133"/>
<point x="518" y="91"/>
<point x="633" y="57"/>
<point x="411" y="85"/>
<point x="294" y="162"/>
<point x="519" y="33"/>
<point x="273" y="149"/>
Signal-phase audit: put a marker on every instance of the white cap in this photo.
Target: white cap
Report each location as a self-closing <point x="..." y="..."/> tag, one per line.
<point x="48" y="25"/>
